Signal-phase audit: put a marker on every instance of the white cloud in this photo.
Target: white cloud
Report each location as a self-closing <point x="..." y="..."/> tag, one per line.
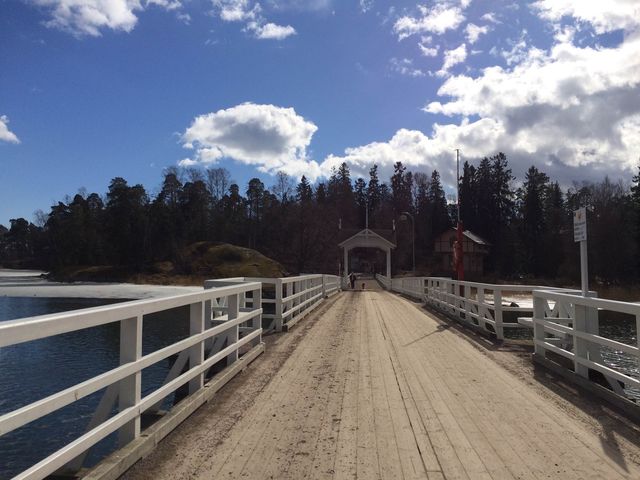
<point x="251" y="13"/>
<point x="452" y="58"/>
<point x="366" y="5"/>
<point x="474" y="31"/>
<point x="7" y="135"/>
<point x="404" y="66"/>
<point x="490" y="17"/>
<point x="268" y="137"/>
<point x="569" y="107"/>
<point x="604" y="16"/>
<point x="300" y="5"/>
<point x="271" y="31"/>
<point x="90" y="17"/>
<point x="426" y="49"/>
<point x="439" y="19"/>
<point x="519" y="50"/>
<point x="237" y="10"/>
<point x="420" y="152"/>
<point x="166" y="4"/>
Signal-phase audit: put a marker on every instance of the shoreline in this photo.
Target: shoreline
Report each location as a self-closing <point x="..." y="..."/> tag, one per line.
<point x="29" y="283"/>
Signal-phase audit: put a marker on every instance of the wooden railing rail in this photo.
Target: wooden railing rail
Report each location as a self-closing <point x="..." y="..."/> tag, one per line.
<point x="239" y="327"/>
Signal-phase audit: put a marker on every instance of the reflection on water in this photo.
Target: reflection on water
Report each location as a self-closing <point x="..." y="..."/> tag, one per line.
<point x="33" y="370"/>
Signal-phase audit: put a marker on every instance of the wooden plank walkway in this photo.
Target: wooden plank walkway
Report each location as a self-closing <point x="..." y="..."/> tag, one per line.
<point x="377" y="388"/>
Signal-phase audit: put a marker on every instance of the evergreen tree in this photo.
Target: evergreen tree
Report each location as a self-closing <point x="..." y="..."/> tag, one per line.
<point x="401" y="185"/>
<point x="532" y="220"/>
<point x="440" y="220"/>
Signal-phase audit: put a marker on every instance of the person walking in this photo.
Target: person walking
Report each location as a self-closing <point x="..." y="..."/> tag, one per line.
<point x="352" y="280"/>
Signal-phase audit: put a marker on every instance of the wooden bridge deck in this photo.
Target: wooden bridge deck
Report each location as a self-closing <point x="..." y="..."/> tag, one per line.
<point x="376" y="388"/>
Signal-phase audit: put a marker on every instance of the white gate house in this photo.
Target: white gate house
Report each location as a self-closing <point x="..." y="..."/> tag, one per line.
<point x="366" y="238"/>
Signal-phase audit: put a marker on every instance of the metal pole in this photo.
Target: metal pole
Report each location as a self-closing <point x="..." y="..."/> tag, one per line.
<point x="413" y="238"/>
<point x="458" y="179"/>
<point x="460" y="230"/>
<point x="584" y="268"/>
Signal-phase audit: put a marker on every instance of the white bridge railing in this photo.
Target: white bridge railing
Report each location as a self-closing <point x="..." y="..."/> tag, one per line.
<point x="225" y="334"/>
<point x="223" y="326"/>
<point x="564" y="323"/>
<point x="491" y="308"/>
<point x="569" y="326"/>
<point x="285" y="301"/>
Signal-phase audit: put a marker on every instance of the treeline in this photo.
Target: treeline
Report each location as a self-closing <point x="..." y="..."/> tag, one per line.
<point x="528" y="223"/>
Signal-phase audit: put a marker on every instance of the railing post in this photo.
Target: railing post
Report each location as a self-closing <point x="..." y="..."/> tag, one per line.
<point x="196" y="352"/>
<point x="256" y="304"/>
<point x="467" y="297"/>
<point x="279" y="309"/>
<point x="592" y="326"/>
<point x="580" y="345"/>
<point x="233" y="334"/>
<point x="539" y="308"/>
<point x="497" y="313"/>
<point x="482" y="307"/>
<point x="130" y="388"/>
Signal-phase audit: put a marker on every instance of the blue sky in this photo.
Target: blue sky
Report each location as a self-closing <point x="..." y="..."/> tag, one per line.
<point x="93" y="89"/>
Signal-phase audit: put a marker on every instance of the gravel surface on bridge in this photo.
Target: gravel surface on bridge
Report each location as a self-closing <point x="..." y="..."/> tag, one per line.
<point x="374" y="387"/>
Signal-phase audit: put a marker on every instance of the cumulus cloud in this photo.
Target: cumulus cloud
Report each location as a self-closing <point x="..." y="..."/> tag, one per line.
<point x="251" y="13"/>
<point x="7" y="135"/>
<point x="271" y="31"/>
<point x="90" y="17"/>
<point x="603" y="16"/>
<point x="474" y="32"/>
<point x="438" y="19"/>
<point x="268" y="137"/>
<point x="570" y="106"/>
<point x="237" y="10"/>
<point x="452" y="58"/>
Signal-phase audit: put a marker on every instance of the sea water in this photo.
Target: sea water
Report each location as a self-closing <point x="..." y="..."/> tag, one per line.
<point x="33" y="370"/>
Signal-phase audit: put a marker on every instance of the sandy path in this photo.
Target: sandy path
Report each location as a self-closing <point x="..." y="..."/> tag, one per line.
<point x="376" y="388"/>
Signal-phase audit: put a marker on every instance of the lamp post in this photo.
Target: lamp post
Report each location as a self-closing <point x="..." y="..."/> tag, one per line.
<point x="403" y="216"/>
<point x="458" y="246"/>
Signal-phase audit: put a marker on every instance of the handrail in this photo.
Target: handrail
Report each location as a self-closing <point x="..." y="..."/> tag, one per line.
<point x="568" y="325"/>
<point x="209" y="331"/>
<point x="294" y="298"/>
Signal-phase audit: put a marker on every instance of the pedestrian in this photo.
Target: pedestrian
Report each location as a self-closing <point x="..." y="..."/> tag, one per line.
<point x="352" y="279"/>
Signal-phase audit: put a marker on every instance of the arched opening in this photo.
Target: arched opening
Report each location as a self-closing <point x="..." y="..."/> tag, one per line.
<point x="371" y="241"/>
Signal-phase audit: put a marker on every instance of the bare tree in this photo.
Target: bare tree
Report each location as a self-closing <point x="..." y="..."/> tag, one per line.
<point x="218" y="182"/>
<point x="194" y="175"/>
<point x="284" y="187"/>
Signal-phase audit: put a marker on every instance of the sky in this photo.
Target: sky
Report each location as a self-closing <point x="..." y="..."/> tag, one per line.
<point x="94" y="89"/>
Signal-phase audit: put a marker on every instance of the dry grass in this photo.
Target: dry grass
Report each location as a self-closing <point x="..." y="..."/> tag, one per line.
<point x="197" y="263"/>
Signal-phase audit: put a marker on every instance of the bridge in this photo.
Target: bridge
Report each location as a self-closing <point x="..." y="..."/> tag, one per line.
<point x="406" y="378"/>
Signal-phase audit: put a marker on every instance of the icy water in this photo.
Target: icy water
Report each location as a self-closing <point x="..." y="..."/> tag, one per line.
<point x="33" y="370"/>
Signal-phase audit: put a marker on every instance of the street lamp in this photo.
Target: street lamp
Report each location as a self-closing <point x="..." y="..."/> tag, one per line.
<point x="404" y="216"/>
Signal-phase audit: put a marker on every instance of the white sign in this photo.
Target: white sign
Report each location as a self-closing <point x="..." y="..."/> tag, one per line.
<point x="580" y="225"/>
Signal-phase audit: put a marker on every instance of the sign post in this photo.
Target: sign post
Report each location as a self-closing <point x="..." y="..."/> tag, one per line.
<point x="580" y="235"/>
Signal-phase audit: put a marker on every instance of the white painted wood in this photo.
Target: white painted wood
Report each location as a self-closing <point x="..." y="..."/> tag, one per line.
<point x="196" y="352"/>
<point x="222" y="311"/>
<point x="130" y="387"/>
<point x="575" y="318"/>
<point x="124" y="382"/>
